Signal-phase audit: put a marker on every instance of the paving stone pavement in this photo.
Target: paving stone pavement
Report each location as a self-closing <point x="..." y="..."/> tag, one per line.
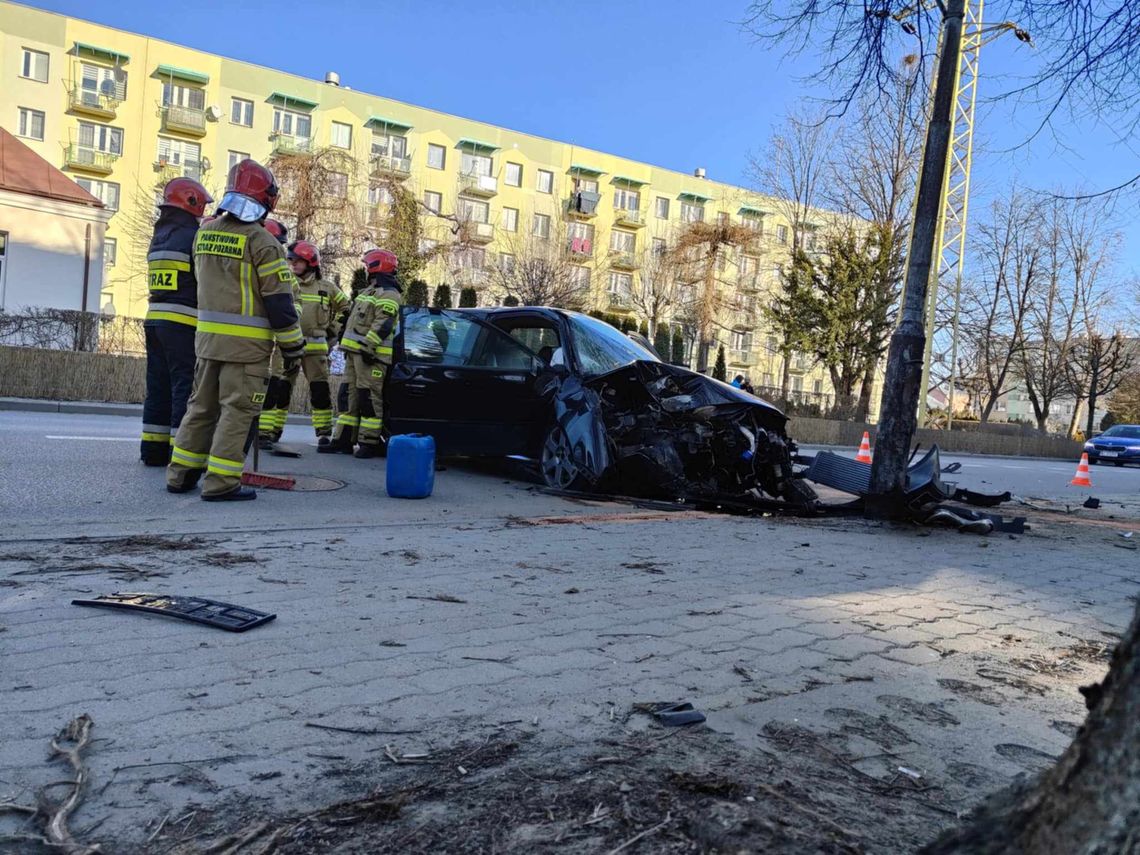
<point x="929" y="650"/>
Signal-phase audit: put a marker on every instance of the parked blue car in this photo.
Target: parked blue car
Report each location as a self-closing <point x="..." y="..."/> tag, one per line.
<point x="1119" y="444"/>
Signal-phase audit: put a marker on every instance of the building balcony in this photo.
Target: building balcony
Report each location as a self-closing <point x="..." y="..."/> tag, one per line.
<point x="479" y="232"/>
<point x="740" y="357"/>
<point x="167" y="172"/>
<point x="629" y="218"/>
<point x="623" y="260"/>
<point x="89" y="159"/>
<point x="484" y="186"/>
<point x="184" y="120"/>
<point x="618" y="301"/>
<point x="91" y="103"/>
<point x="582" y="206"/>
<point x="390" y="166"/>
<point x="287" y="144"/>
<point x="799" y="365"/>
<point x="580" y="247"/>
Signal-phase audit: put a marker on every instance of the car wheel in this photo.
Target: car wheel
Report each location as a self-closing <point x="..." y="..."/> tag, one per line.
<point x="558" y="468"/>
<point x="1118" y="463"/>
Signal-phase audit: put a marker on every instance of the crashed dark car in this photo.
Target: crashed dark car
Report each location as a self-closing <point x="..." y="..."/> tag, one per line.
<point x="596" y="410"/>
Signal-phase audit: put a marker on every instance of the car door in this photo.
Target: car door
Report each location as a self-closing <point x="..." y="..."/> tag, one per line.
<point x="472" y="387"/>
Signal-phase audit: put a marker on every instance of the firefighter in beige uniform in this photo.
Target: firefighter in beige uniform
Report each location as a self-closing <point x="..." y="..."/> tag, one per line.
<point x="271" y="422"/>
<point x="320" y="304"/>
<point x="245" y="302"/>
<point x="367" y="343"/>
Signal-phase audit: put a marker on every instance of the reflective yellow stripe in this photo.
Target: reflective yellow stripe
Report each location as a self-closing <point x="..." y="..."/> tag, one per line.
<point x="184" y="266"/>
<point x="187" y="458"/>
<point x="272" y="266"/>
<point x="289" y="336"/>
<point x="347" y="420"/>
<point x="171" y="316"/>
<point x="221" y="466"/>
<point x="246" y="290"/>
<point x="316" y="347"/>
<point x="390" y="307"/>
<point x="155" y="437"/>
<point x="384" y="351"/>
<point x="216" y="328"/>
<point x="373" y="337"/>
<point x="349" y="344"/>
<point x="311" y="298"/>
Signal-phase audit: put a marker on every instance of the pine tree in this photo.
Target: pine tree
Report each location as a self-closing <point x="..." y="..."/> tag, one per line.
<point x="511" y="300"/>
<point x="643" y="329"/>
<point x="442" y="298"/>
<point x="678" y="357"/>
<point x="467" y="298"/>
<point x="417" y="293"/>
<point x="661" y="341"/>
<point x="628" y="324"/>
<point x="720" y="370"/>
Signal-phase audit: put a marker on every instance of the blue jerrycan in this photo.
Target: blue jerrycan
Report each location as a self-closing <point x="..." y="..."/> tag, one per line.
<point x="411" y="466"/>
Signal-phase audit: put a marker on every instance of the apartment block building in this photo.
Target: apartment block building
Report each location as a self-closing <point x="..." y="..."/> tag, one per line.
<point x="122" y="113"/>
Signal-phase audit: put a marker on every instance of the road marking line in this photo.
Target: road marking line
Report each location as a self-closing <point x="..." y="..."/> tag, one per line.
<point x="94" y="438"/>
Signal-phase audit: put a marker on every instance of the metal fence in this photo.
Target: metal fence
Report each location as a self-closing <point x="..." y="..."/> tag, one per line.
<point x="66" y="329"/>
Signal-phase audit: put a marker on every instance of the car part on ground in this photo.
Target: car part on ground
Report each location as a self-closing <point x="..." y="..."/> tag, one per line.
<point x="213" y="613"/>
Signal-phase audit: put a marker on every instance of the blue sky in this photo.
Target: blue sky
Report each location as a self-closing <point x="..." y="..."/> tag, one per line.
<point x="670" y="82"/>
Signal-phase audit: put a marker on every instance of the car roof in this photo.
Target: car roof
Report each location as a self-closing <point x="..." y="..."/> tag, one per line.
<point x="489" y="312"/>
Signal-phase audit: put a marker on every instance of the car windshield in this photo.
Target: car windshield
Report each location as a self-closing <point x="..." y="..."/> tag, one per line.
<point x="600" y="348"/>
<point x="1127" y="431"/>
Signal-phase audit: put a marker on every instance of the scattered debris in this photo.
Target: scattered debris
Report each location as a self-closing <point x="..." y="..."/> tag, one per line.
<point x="1091" y="503"/>
<point x="439" y="598"/>
<point x="213" y="613"/>
<point x="910" y="773"/>
<point x="745" y="674"/>
<point x="230" y="559"/>
<point x="68" y="744"/>
<point x="671" y="714"/>
<point x="363" y="731"/>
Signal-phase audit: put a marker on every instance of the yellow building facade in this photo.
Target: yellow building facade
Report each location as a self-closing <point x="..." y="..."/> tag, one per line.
<point x="122" y="113"/>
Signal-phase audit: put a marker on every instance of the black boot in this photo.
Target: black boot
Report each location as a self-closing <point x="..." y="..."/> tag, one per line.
<point x="186" y="486"/>
<point x="335" y="447"/>
<point x="240" y="494"/>
<point x="366" y="452"/>
<point x="322" y="441"/>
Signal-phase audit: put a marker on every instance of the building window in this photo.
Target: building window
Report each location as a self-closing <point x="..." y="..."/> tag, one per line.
<point x="177" y="95"/>
<point x="340" y="135"/>
<point x="437" y="156"/>
<point x="185" y="155"/>
<point x="292" y="124"/>
<point x="506" y="262"/>
<point x="475" y="164"/>
<point x="98" y="80"/>
<point x="510" y="219"/>
<point x="545" y="181"/>
<point x="585" y="185"/>
<point x="627" y="200"/>
<point x="338" y="185"/>
<point x="754" y="223"/>
<point x="34" y="65"/>
<point x="541" y="226"/>
<point x="581" y="232"/>
<point x="236" y="157"/>
<point x="580" y="278"/>
<point x="722" y="218"/>
<point x="379" y="195"/>
<point x="389" y="145"/>
<point x="110" y="252"/>
<point x="621" y="283"/>
<point x="817" y="387"/>
<point x="622" y="242"/>
<point x="101" y="138"/>
<point x="741" y="340"/>
<point x="334" y="237"/>
<point x="782" y="234"/>
<point x="661" y="209"/>
<point x="692" y="213"/>
<point x="470" y="211"/>
<point x="241" y="112"/>
<point x="433" y="201"/>
<point x="659" y="248"/>
<point x="31" y="124"/>
<point x="514" y="175"/>
<point x="106" y="192"/>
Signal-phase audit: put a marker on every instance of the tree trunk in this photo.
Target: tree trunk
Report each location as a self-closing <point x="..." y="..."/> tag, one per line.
<point x="786" y="377"/>
<point x="1089" y="802"/>
<point x="1094" y="381"/>
<point x="1075" y="419"/>
<point x="1043" y="423"/>
<point x="864" y="407"/>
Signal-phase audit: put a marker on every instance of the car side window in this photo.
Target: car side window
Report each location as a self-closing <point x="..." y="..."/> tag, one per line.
<point x="542" y="340"/>
<point x="450" y="338"/>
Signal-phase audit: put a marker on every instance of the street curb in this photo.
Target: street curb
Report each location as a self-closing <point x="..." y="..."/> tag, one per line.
<point x="94" y="408"/>
<point x="853" y="448"/>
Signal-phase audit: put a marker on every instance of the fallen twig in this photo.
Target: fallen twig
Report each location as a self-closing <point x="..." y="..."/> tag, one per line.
<point x="439" y="598"/>
<point x="487" y="658"/>
<point x="834" y="826"/>
<point x="668" y="818"/>
<point x="363" y="731"/>
<point x="158" y="830"/>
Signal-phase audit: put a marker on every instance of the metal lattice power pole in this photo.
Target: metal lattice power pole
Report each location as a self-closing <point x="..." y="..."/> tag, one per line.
<point x="951" y="247"/>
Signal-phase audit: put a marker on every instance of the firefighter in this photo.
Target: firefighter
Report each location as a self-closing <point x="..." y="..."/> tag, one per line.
<point x="245" y="302"/>
<point x="367" y="342"/>
<point x="171" y="317"/>
<point x="271" y="422"/>
<point x="319" y="304"/>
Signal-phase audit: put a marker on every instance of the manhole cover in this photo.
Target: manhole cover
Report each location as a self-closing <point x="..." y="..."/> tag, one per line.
<point x="310" y="483"/>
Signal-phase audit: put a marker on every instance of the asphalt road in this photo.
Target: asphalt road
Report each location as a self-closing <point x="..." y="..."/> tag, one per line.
<point x="83" y="472"/>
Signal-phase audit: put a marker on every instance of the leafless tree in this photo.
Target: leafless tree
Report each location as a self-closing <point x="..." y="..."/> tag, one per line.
<point x="996" y="304"/>
<point x="656" y="294"/>
<point x="541" y="270"/>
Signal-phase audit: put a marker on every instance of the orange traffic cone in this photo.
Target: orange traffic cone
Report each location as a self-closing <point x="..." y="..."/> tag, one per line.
<point x="1081" y="479"/>
<point x="864" y="455"/>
